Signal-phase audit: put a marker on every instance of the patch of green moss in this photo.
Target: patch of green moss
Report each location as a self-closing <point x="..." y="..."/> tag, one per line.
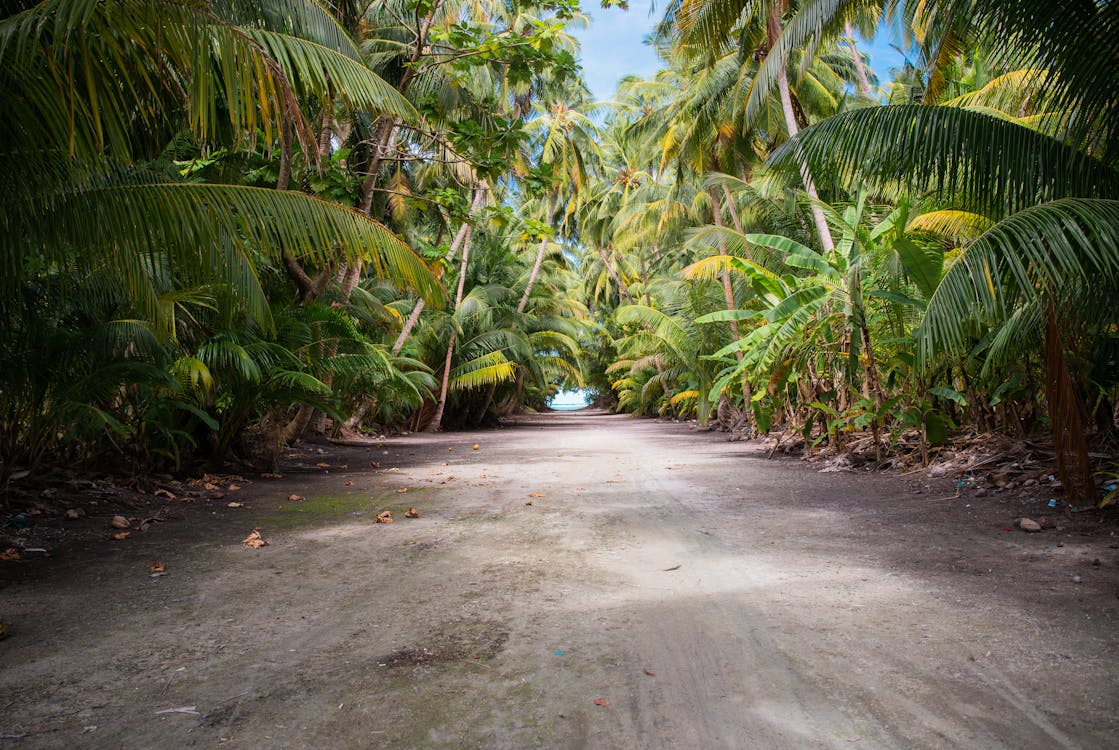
<point x="321" y="509"/>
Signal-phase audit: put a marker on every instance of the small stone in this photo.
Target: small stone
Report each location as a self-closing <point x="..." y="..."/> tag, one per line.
<point x="1028" y="524"/>
<point x="1096" y="563"/>
<point x="1046" y="522"/>
<point x="73" y="513"/>
<point x="1077" y="579"/>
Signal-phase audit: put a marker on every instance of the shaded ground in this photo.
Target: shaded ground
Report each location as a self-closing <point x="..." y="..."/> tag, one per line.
<point x="709" y="597"/>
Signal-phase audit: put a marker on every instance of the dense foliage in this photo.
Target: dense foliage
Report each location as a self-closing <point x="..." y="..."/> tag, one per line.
<point x="229" y="224"/>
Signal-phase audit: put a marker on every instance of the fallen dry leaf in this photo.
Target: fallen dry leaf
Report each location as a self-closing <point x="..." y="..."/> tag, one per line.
<point x="375" y="464"/>
<point x="669" y="570"/>
<point x="294" y="498"/>
<point x="271" y="475"/>
<point x="233" y="487"/>
<point x="322" y="465"/>
<point x="11" y="553"/>
<point x="235" y="505"/>
<point x="74" y="513"/>
<point x="254" y="540"/>
<point x="165" y="493"/>
<point x="411" y="513"/>
<point x="119" y="535"/>
<point x="217" y="495"/>
<point x="601" y="702"/>
<point x="402" y="490"/>
<point x="536" y="494"/>
<point x="394" y="469"/>
<point x="348" y="483"/>
<point x="648" y="672"/>
<point x="384" y="516"/>
<point x="119" y="522"/>
<point x="528" y="502"/>
<point x="209" y="486"/>
<point x="157" y="567"/>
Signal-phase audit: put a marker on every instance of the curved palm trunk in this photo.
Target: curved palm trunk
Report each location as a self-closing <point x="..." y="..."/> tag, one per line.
<point x="460" y="236"/>
<point x="774" y="30"/>
<point x="538" y="262"/>
<point x="728" y="291"/>
<point x="407" y="329"/>
<point x="614" y="275"/>
<point x="436" y="423"/>
<point x="437" y="419"/>
<point x="860" y="69"/>
<point x="532" y="276"/>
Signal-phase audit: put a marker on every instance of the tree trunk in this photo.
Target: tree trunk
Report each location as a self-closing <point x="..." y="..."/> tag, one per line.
<point x="860" y="70"/>
<point x="733" y="210"/>
<point x="437" y="419"/>
<point x="441" y="405"/>
<point x="455" y="244"/>
<point x="1074" y="465"/>
<point x="774" y="30"/>
<point x="873" y="386"/>
<point x="539" y="259"/>
<point x="399" y="343"/>
<point x="614" y="275"/>
<point x="532" y="276"/>
<point x="728" y="291"/>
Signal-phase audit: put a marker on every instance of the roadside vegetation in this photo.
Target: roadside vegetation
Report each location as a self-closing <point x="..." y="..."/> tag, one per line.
<point x="230" y="225"/>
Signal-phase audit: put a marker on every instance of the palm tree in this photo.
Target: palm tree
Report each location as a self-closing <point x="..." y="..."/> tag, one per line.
<point x="1053" y="198"/>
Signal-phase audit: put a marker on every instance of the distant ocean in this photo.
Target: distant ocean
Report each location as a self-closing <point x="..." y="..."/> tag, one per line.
<point x="569" y="401"/>
<point x="567" y="407"/>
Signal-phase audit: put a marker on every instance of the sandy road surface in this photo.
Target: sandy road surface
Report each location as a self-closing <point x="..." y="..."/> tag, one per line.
<point x="711" y="598"/>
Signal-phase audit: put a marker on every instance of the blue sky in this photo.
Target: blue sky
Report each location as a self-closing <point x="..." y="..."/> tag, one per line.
<point x="612" y="46"/>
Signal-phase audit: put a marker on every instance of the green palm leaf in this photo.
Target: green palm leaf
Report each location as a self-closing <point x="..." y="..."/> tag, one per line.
<point x="1047" y="249"/>
<point x="987" y="163"/>
<point x="130" y="225"/>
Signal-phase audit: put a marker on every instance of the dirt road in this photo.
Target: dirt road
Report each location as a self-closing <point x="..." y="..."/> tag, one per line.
<point x="704" y="596"/>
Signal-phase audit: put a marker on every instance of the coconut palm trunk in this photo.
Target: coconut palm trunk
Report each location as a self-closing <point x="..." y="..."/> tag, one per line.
<point x="460" y="236"/>
<point x="539" y="259"/>
<point x="728" y="291"/>
<point x="857" y="59"/>
<point x="437" y="419"/>
<point x="773" y="28"/>
<point x="622" y="288"/>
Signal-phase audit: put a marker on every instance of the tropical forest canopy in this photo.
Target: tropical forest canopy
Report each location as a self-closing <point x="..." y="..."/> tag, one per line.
<point x="228" y="224"/>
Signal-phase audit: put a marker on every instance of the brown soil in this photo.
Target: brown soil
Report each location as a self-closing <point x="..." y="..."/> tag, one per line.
<point x="709" y="597"/>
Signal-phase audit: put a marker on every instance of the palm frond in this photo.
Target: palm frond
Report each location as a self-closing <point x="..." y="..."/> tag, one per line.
<point x="1040" y="251"/>
<point x="984" y="162"/>
<point x="482" y="371"/>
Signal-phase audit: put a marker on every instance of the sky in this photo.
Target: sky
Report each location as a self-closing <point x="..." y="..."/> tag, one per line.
<point x="612" y="46"/>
